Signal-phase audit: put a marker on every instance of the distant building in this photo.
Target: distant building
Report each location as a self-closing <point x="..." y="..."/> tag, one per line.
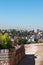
<point x="35" y="31"/>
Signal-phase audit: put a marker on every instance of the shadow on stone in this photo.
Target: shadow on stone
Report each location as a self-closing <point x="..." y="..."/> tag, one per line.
<point x="28" y="60"/>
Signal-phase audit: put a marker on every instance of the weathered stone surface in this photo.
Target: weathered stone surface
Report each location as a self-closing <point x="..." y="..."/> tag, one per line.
<point x="34" y="54"/>
<point x="11" y="57"/>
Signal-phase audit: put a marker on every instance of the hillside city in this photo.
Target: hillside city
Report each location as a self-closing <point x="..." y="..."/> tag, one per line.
<point x="24" y="36"/>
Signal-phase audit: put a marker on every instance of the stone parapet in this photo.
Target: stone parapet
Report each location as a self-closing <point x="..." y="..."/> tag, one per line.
<point x="11" y="57"/>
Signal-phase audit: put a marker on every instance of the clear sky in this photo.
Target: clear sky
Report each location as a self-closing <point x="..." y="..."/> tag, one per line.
<point x="21" y="14"/>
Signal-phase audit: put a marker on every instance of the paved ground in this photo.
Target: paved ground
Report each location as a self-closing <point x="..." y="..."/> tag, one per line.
<point x="34" y="55"/>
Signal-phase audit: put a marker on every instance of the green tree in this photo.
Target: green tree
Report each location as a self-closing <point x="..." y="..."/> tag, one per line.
<point x="22" y="41"/>
<point x="6" y="41"/>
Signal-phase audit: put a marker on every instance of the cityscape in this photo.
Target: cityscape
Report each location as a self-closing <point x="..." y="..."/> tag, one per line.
<point x="32" y="36"/>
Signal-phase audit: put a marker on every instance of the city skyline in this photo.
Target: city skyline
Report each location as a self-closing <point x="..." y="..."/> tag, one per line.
<point x="21" y="14"/>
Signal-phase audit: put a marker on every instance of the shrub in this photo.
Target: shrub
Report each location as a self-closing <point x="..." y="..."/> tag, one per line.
<point x="40" y="41"/>
<point x="22" y="41"/>
<point x="5" y="41"/>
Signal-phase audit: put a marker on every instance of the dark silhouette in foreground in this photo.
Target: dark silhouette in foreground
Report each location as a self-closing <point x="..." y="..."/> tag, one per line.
<point x="28" y="60"/>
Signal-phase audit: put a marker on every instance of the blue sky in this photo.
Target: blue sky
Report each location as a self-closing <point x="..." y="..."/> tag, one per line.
<point x="21" y="14"/>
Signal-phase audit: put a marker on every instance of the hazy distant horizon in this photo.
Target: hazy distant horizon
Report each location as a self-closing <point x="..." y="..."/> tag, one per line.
<point x="17" y="28"/>
<point x="21" y="14"/>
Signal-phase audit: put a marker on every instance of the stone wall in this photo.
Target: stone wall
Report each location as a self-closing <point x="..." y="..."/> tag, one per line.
<point x="11" y="57"/>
